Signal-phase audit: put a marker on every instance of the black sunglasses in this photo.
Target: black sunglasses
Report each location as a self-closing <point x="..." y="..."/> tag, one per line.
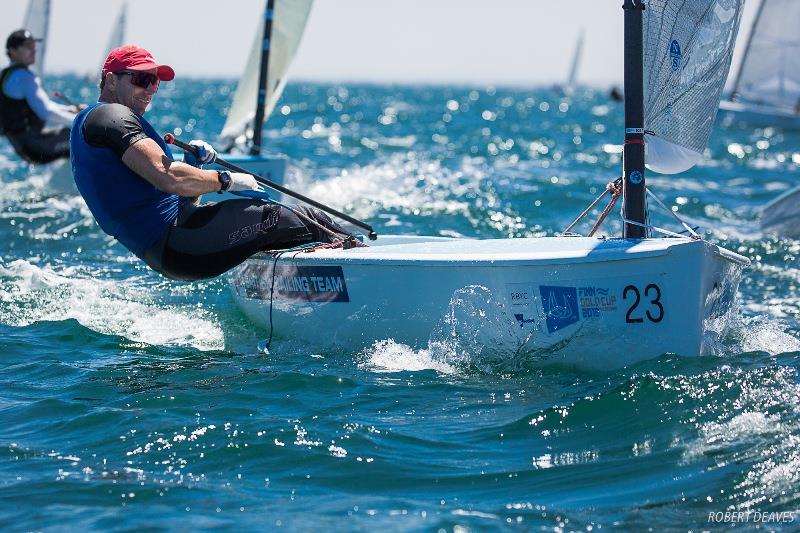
<point x="141" y="79"/>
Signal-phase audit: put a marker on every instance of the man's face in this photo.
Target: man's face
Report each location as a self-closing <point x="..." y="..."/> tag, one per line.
<point x="24" y="54"/>
<point x="128" y="93"/>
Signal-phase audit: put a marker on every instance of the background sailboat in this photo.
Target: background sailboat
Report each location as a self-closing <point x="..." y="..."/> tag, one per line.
<point x="766" y="91"/>
<point x="37" y="21"/>
<point x="569" y="86"/>
<point x="274" y="45"/>
<point x="585" y="301"/>
<point x="264" y="78"/>
<point x="115" y="39"/>
<point x="576" y="63"/>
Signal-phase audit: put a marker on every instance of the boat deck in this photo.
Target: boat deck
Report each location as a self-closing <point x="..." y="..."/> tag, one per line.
<point x="419" y="250"/>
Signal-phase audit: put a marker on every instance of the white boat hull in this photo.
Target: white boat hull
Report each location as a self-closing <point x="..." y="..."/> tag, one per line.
<point x="781" y="216"/>
<point x="754" y="115"/>
<point x="577" y="301"/>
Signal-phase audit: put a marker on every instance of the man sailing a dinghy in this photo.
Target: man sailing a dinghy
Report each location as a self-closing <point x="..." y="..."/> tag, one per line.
<point x="148" y="202"/>
<point x="25" y="107"/>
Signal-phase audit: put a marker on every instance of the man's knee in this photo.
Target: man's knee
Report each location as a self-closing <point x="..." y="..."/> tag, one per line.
<point x="321" y="226"/>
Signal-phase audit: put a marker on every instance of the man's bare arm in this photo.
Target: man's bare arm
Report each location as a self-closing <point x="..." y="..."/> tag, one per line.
<point x="149" y="161"/>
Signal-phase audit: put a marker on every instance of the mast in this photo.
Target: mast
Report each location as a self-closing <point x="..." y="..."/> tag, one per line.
<point x="747" y="49"/>
<point x="633" y="152"/>
<point x="258" y="122"/>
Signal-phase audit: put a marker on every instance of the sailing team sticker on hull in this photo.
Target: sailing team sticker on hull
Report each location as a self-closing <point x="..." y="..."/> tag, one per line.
<point x="556" y="307"/>
<point x="293" y="283"/>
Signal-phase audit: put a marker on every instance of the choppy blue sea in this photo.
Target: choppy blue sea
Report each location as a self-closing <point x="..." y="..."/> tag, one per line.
<point x="130" y="402"/>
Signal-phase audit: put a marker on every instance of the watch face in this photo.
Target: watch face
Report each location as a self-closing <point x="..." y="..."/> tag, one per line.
<point x="224" y="180"/>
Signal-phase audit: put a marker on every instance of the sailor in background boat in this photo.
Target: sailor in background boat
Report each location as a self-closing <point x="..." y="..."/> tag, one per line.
<point x="25" y="107"/>
<point x="148" y="202"/>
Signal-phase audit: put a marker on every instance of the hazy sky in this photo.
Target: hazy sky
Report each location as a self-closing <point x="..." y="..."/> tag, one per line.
<point x="526" y="42"/>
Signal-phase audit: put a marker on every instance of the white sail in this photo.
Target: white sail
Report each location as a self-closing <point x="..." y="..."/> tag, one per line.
<point x="117" y="37"/>
<point x="687" y="54"/>
<point x="770" y="70"/>
<point x="576" y="61"/>
<point x="37" y="21"/>
<point x="288" y="22"/>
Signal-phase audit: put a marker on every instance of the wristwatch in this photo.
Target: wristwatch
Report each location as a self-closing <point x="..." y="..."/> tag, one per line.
<point x="224" y="178"/>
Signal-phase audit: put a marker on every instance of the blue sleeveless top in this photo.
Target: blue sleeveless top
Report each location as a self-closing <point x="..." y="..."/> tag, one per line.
<point x="125" y="205"/>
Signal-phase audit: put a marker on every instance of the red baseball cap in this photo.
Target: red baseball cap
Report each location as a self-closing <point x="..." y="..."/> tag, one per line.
<point x="132" y="57"/>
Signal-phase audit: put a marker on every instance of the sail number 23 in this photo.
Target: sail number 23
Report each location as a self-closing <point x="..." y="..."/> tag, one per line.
<point x="651" y="308"/>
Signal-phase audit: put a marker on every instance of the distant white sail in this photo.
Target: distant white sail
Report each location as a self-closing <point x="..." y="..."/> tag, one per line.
<point x="770" y="70"/>
<point x="117" y="37"/>
<point x="37" y="21"/>
<point x="687" y="54"/>
<point x="288" y="22"/>
<point x="576" y="61"/>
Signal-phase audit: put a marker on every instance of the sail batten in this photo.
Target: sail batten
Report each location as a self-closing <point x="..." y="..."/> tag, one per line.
<point x="688" y="51"/>
<point x="770" y="70"/>
<point x="289" y="19"/>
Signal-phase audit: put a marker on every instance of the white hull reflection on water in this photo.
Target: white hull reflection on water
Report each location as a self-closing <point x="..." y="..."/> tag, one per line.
<point x="781" y="217"/>
<point x="749" y="115"/>
<point x="569" y="300"/>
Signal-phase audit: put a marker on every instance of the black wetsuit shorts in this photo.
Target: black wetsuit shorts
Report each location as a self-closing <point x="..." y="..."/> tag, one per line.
<point x="42" y="146"/>
<point x="210" y="239"/>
